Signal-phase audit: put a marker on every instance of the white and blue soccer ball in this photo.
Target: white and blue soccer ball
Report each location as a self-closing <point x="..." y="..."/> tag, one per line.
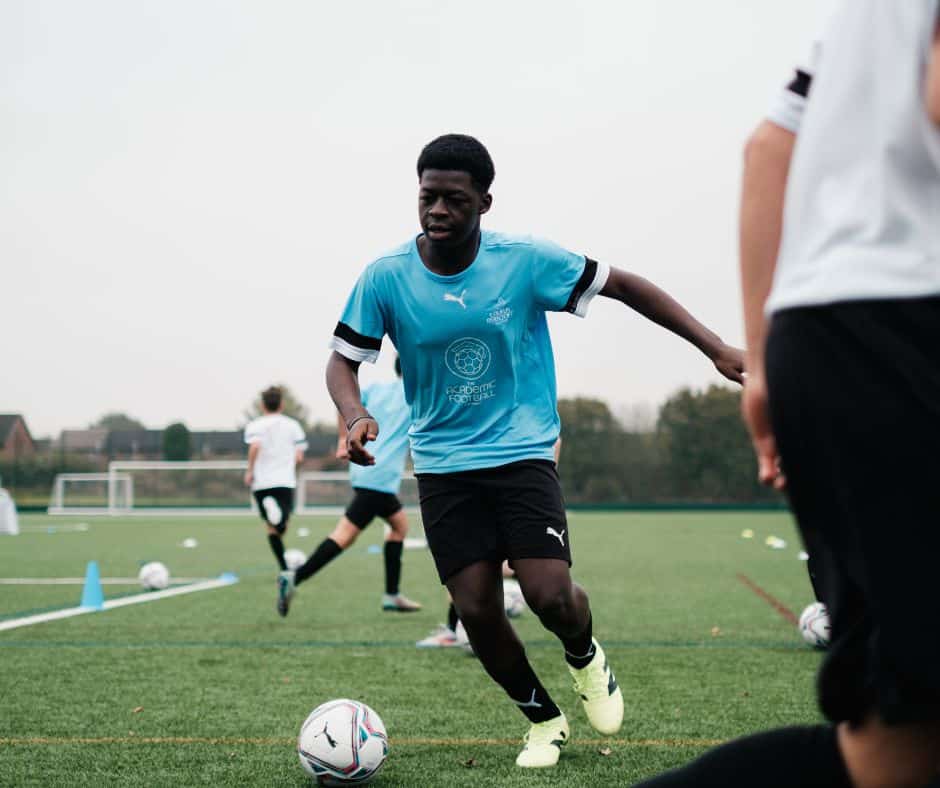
<point x="814" y="625"/>
<point x="342" y="742"/>
<point x="154" y="576"/>
<point x="513" y="600"/>
<point x="294" y="558"/>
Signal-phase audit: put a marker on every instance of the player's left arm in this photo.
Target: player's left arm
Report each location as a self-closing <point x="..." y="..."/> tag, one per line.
<point x="657" y="305"/>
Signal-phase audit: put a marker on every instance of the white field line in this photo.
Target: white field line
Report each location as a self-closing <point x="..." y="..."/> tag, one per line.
<point x="77" y="581"/>
<point x="148" y="596"/>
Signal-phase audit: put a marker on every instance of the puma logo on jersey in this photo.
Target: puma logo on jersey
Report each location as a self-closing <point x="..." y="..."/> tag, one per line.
<point x="559" y="536"/>
<point x="529" y="704"/>
<point x="456" y="299"/>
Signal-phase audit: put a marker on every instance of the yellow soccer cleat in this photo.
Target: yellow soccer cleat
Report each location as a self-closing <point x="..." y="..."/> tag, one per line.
<point x="602" y="698"/>
<point x="543" y="743"/>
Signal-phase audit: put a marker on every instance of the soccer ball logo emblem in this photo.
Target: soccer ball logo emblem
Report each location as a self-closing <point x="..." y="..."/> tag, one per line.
<point x="468" y="358"/>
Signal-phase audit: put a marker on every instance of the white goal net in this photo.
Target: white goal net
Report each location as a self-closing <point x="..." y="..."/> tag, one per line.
<point x="328" y="492"/>
<point x="195" y="487"/>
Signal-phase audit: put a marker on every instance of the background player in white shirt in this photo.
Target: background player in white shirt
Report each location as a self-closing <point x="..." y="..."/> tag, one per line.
<point x="840" y="248"/>
<point x="276" y="446"/>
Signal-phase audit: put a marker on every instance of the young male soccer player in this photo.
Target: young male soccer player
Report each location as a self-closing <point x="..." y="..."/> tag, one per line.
<point x="843" y="394"/>
<point x="375" y="489"/>
<point x="276" y="445"/>
<point x="466" y="311"/>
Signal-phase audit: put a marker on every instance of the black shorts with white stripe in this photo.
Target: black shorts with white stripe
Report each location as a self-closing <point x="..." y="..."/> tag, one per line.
<point x="509" y="512"/>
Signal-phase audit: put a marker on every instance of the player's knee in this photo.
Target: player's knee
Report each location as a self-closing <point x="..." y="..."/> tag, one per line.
<point x="552" y="602"/>
<point x="477" y="611"/>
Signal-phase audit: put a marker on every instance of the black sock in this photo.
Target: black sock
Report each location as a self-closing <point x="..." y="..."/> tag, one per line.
<point x="579" y="650"/>
<point x="325" y="552"/>
<point x="452" y="617"/>
<point x="807" y="757"/>
<point x="527" y="692"/>
<point x="392" y="567"/>
<point x="277" y="547"/>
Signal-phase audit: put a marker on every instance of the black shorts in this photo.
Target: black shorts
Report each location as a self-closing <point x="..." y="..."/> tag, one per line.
<point x="513" y="511"/>
<point x="855" y="404"/>
<point x="283" y="497"/>
<point x="366" y="505"/>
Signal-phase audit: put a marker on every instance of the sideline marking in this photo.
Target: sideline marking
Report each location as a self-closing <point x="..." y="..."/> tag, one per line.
<point x="775" y="603"/>
<point x="409" y="645"/>
<point x="147" y="596"/>
<point x="280" y="741"/>
<point x="78" y="581"/>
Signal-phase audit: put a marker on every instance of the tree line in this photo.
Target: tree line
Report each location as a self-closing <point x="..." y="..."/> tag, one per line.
<point x="698" y="452"/>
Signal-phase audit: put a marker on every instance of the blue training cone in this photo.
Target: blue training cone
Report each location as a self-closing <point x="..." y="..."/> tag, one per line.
<point x="92" y="593"/>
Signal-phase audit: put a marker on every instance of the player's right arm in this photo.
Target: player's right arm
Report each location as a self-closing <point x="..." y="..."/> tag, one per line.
<point x="767" y="157"/>
<point x="254" y="449"/>
<point x="357" y="338"/>
<point x="342" y="381"/>
<point x="933" y="79"/>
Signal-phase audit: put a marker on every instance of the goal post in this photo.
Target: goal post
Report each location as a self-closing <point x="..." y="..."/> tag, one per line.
<point x="329" y="492"/>
<point x="196" y="487"/>
<point x="91" y="493"/>
<point x="180" y="487"/>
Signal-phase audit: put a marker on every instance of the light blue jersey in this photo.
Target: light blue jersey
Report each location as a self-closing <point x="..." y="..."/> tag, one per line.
<point x="475" y="352"/>
<point x="386" y="403"/>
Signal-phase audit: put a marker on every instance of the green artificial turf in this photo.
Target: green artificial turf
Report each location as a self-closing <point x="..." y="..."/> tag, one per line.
<point x="211" y="687"/>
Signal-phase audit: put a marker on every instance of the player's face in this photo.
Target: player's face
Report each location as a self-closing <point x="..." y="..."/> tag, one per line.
<point x="450" y="206"/>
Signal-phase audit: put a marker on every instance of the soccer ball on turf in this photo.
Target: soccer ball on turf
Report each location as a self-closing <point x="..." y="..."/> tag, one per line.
<point x="513" y="600"/>
<point x="294" y="558"/>
<point x="154" y="576"/>
<point x="814" y="625"/>
<point x="342" y="742"/>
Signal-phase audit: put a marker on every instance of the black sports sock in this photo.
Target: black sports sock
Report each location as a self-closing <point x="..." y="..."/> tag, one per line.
<point x="527" y="692"/>
<point x="807" y="757"/>
<point x="452" y="617"/>
<point x="392" y="567"/>
<point x="325" y="552"/>
<point x="277" y="547"/>
<point x="579" y="650"/>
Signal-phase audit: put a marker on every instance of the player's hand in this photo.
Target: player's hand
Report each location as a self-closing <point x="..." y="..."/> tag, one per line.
<point x="249" y="478"/>
<point x="342" y="453"/>
<point x="729" y="361"/>
<point x="756" y="416"/>
<point x="362" y="432"/>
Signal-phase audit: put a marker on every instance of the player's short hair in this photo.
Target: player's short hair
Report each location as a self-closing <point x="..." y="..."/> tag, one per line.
<point x="398" y="365"/>
<point x="459" y="152"/>
<point x="271" y="398"/>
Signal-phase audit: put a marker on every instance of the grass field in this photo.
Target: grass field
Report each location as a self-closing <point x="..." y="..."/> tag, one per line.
<point x="211" y="687"/>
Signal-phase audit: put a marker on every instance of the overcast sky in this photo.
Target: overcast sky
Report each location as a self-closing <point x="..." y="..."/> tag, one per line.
<point x="188" y="189"/>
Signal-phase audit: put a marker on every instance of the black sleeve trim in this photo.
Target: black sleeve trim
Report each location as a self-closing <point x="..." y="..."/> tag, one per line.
<point x="801" y="83"/>
<point x="586" y="280"/>
<point x="356" y="339"/>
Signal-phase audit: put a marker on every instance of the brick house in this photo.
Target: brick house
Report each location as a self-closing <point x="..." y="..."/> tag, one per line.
<point x="15" y="440"/>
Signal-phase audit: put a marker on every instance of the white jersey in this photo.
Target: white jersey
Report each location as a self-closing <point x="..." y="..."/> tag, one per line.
<point x="279" y="436"/>
<point x="862" y="215"/>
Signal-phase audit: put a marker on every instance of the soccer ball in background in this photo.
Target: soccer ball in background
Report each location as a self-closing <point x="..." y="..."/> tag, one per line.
<point x="294" y="558"/>
<point x="342" y="742"/>
<point x="513" y="600"/>
<point x="814" y="625"/>
<point x="154" y="576"/>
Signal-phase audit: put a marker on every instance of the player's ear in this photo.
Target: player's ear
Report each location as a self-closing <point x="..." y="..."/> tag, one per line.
<point x="486" y="203"/>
